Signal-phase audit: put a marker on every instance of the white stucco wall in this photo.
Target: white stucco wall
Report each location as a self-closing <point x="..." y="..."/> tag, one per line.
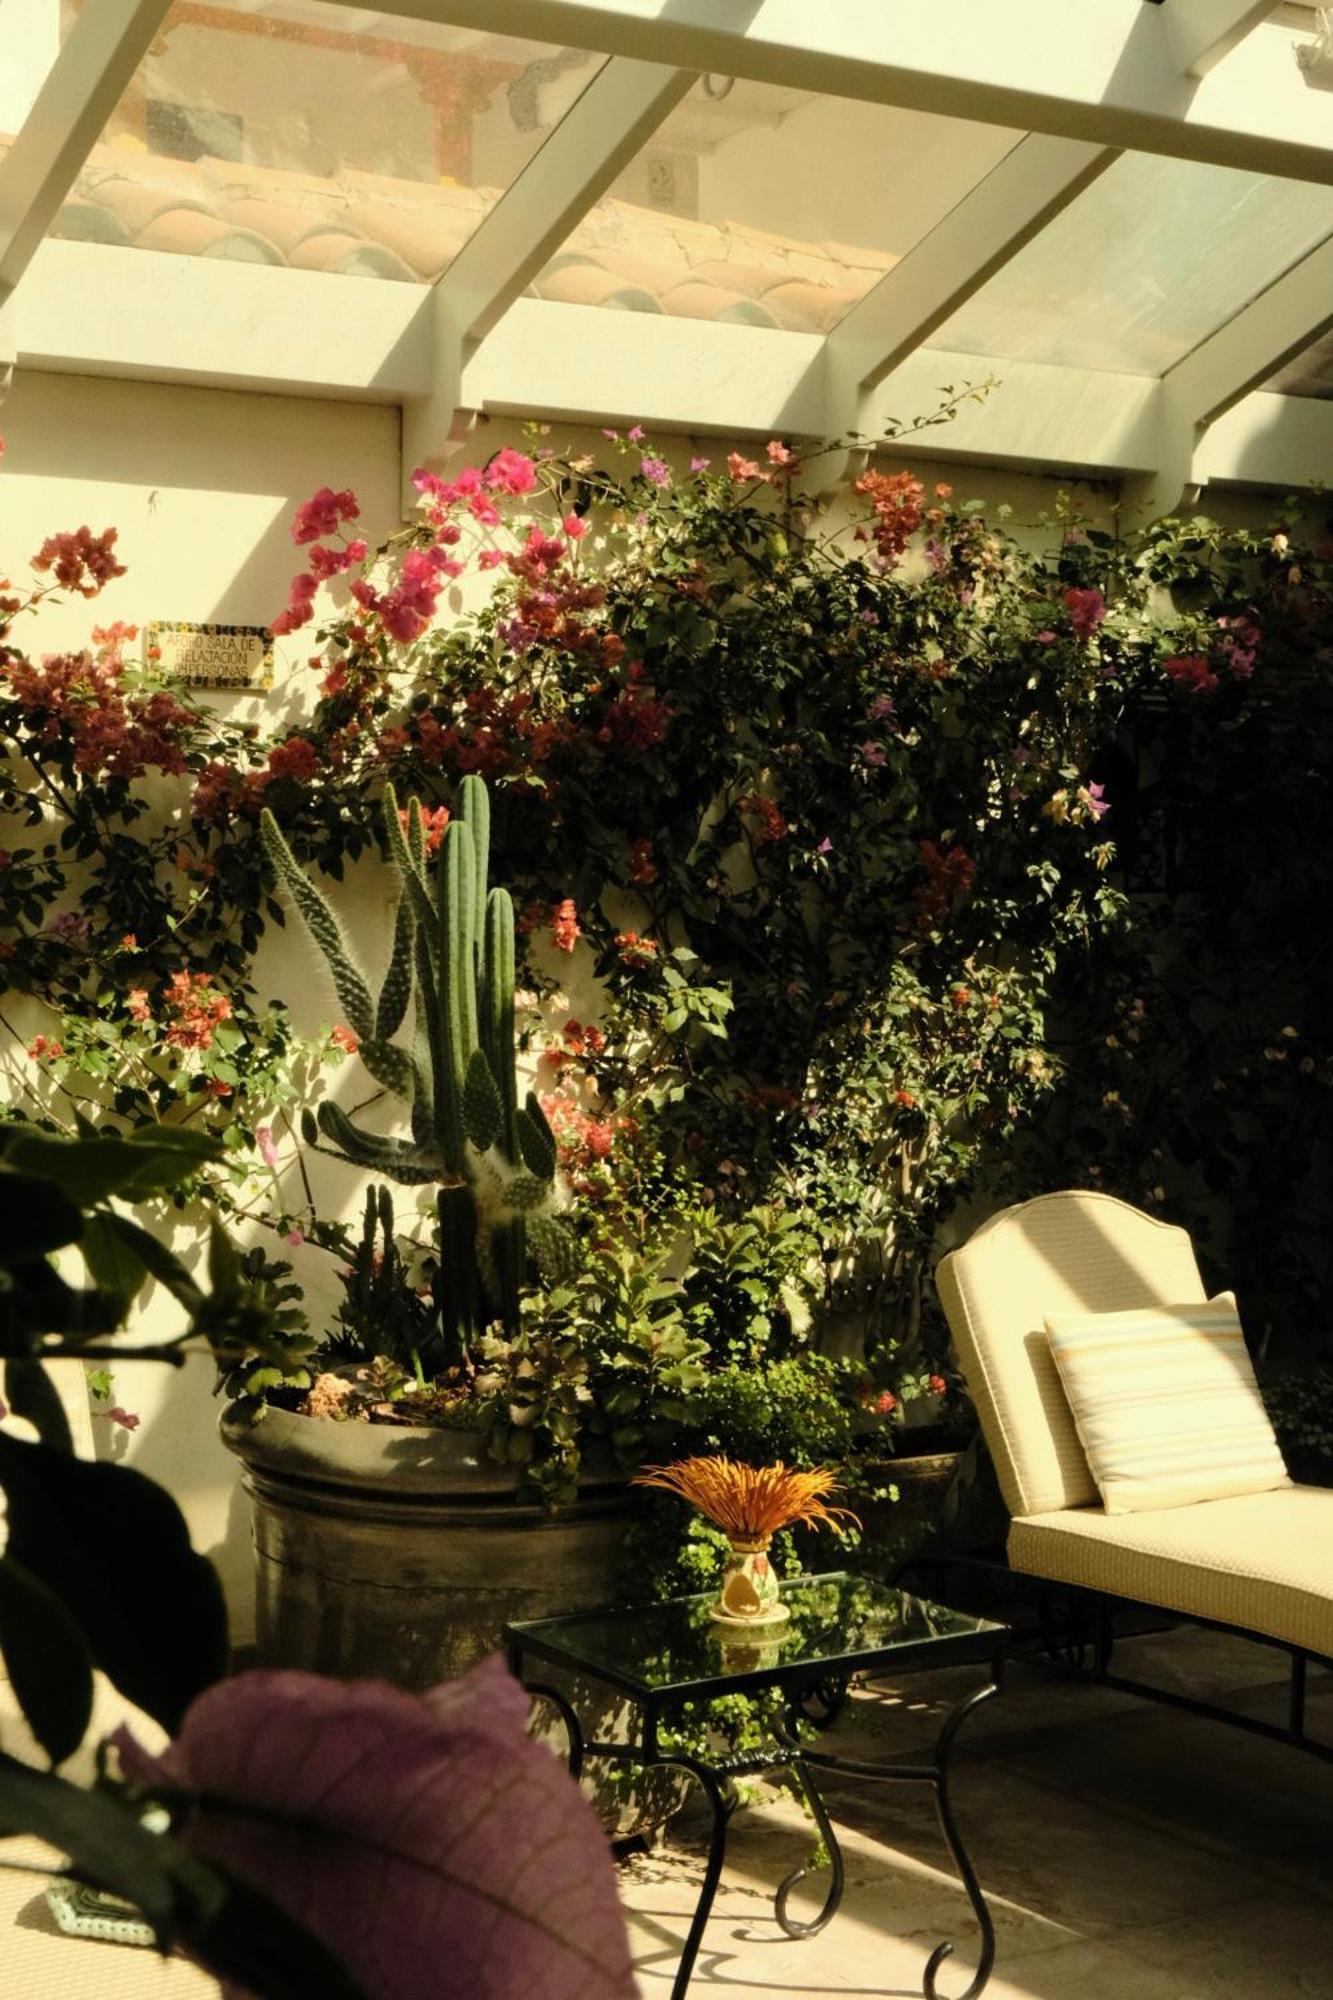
<point x="202" y="485"/>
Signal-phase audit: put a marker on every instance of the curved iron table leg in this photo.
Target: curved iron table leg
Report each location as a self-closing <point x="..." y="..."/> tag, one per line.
<point x="796" y="1927"/>
<point x="573" y="1728"/>
<point x="961" y="1860"/>
<point x="722" y="1798"/>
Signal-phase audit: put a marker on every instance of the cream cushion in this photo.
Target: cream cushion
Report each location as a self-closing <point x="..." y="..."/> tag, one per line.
<point x="1072" y="1252"/>
<point x="1262" y="1561"/>
<point x="1166" y="1404"/>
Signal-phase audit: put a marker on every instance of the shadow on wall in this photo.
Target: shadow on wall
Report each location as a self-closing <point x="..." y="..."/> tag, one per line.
<point x="177" y="1446"/>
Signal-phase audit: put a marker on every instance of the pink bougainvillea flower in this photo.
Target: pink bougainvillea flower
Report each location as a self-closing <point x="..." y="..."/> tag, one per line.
<point x="127" y="1419"/>
<point x="345" y="1039"/>
<point x="700" y="464"/>
<point x="880" y="708"/>
<point x="778" y="453"/>
<point x="42" y="1048"/>
<point x="636" y="434"/>
<point x="323" y="514"/>
<point x="575" y="527"/>
<point x="268" y="1152"/>
<point x="1086" y="608"/>
<point x="565" y="928"/>
<point x="511" y="472"/>
<point x="937" y="1385"/>
<point x="656" y="471"/>
<point x="740" y="467"/>
<point x="1095" y="799"/>
<point x="408" y="1832"/>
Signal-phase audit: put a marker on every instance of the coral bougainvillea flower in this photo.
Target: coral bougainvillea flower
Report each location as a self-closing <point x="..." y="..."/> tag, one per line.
<point x="81" y="560"/>
<point x="345" y="1039"/>
<point x="407" y="1832"/>
<point x="565" y="928"/>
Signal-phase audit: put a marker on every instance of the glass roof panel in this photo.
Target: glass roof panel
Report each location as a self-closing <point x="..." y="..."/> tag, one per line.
<point x="1310" y="374"/>
<point x="1145" y="264"/>
<point x="326" y="137"/>
<point x="31" y="32"/>
<point x="769" y="206"/>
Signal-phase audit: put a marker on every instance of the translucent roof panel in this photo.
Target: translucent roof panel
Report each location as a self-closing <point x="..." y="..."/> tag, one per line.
<point x="330" y="138"/>
<point x="1310" y="374"/>
<point x="31" y="32"/>
<point x="769" y="206"/>
<point x="1145" y="264"/>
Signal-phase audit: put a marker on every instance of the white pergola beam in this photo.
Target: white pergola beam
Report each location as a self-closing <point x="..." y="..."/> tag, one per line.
<point x="151" y="315"/>
<point x="100" y="54"/>
<point x="1203" y="31"/>
<point x="1005" y="210"/>
<point x="599" y="135"/>
<point x="1107" y="71"/>
<point x="1247" y="349"/>
<point x="89" y="310"/>
<point x="601" y="132"/>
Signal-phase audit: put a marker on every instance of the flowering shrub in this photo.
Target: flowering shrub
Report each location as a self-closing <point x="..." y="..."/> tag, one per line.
<point x="895" y="848"/>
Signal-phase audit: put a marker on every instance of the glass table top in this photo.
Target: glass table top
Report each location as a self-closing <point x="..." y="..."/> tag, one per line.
<point x="840" y="1622"/>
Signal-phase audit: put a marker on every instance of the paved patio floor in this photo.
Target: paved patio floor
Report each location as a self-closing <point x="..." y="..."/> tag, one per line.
<point x="1130" y="1853"/>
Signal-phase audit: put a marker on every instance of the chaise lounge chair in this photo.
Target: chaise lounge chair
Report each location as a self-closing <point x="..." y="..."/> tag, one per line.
<point x="1259" y="1564"/>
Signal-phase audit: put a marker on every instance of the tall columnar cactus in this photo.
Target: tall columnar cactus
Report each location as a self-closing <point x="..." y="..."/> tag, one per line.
<point x="452" y="964"/>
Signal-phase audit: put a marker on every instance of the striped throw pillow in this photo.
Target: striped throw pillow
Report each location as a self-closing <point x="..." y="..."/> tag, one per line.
<point x="1166" y="1404"/>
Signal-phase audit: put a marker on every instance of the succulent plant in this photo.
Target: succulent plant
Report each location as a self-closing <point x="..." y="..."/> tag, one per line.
<point x="451" y="965"/>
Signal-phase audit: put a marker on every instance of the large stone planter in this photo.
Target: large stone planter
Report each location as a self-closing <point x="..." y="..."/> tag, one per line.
<point x="401" y="1553"/>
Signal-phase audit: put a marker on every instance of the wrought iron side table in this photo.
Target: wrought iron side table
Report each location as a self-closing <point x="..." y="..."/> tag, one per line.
<point x="660" y="1655"/>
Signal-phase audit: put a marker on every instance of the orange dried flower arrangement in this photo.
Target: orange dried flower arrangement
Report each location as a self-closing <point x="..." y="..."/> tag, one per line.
<point x="750" y="1503"/>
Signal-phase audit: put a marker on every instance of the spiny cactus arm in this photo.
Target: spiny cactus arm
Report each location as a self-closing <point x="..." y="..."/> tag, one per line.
<point x="393" y="1067"/>
<point x="554" y="1247"/>
<point x="401" y="1161"/>
<point x="423" y="1103"/>
<point x="497" y="1022"/>
<point x="349" y="983"/>
<point x="483" y="1106"/>
<point x="458" y="915"/>
<point x="536" y="1140"/>
<point x="474" y="809"/>
<point x="410" y="871"/>
<point x="397" y="988"/>
<point x="446" y="1087"/>
<point x="416" y="834"/>
<point x="458" y="1291"/>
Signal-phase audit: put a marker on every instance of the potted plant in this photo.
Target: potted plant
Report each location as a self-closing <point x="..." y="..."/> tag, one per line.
<point x="389" y="1539"/>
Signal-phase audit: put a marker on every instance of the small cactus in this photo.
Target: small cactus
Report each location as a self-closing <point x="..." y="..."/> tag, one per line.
<point x="452" y="966"/>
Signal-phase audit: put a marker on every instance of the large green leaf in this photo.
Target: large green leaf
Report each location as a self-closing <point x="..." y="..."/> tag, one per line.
<point x="90" y="1170"/>
<point x="47" y="1658"/>
<point x="114" y="1267"/>
<point x="115" y="1549"/>
<point x="157" y="1261"/>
